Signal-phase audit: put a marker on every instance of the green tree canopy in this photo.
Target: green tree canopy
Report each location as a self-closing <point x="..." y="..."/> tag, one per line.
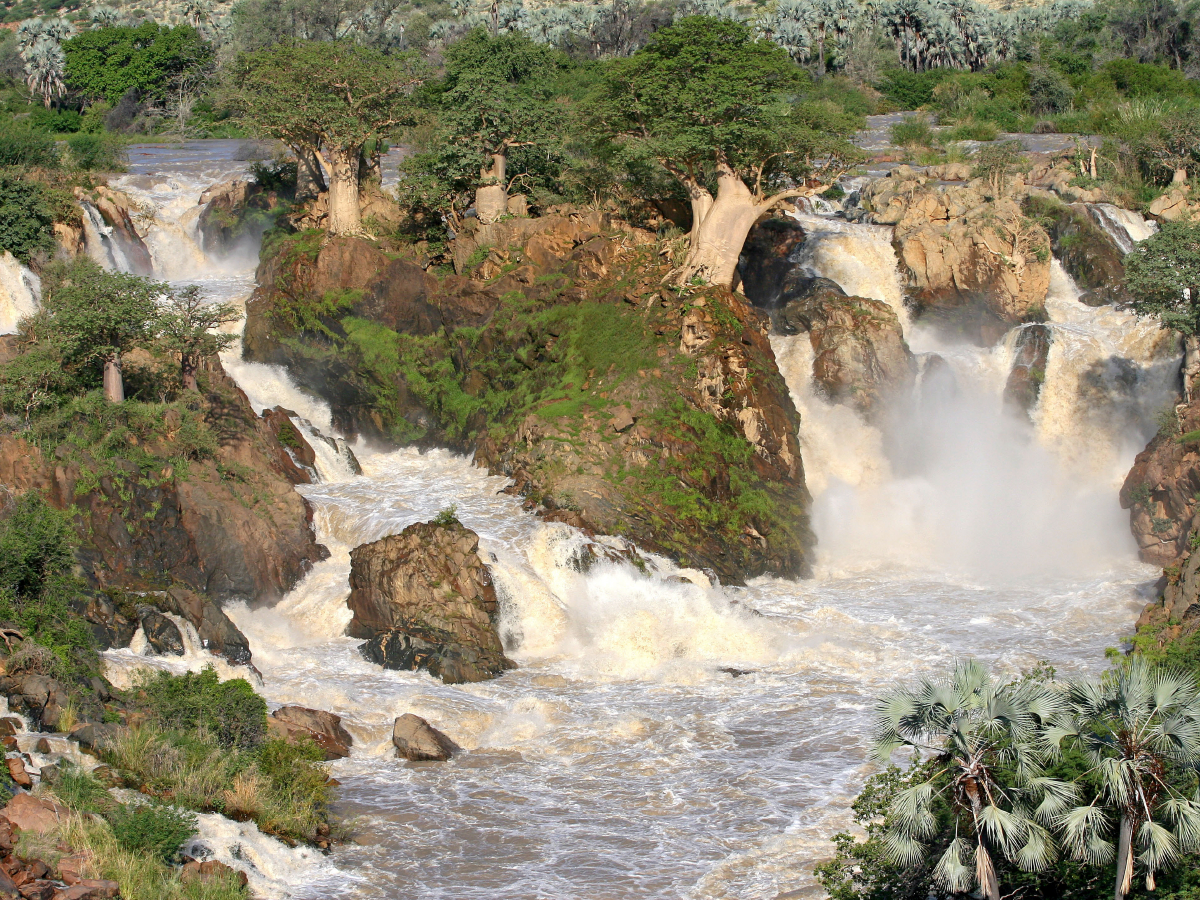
<point x="108" y="62"/>
<point x="94" y="316"/>
<point x="26" y="220"/>
<point x="330" y="99"/>
<point x="499" y="122"/>
<point x="1163" y="275"/>
<point x="718" y="110"/>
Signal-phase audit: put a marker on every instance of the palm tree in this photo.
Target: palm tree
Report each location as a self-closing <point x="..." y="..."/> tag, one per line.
<point x="986" y="765"/>
<point x="44" y="69"/>
<point x="105" y="17"/>
<point x="1134" y="724"/>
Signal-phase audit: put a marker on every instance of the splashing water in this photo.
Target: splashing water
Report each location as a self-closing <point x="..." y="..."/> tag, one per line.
<point x="19" y="292"/>
<point x="1124" y="226"/>
<point x="664" y="737"/>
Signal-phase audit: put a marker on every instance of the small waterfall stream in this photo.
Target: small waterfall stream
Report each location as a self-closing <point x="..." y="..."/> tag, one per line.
<point x="623" y="759"/>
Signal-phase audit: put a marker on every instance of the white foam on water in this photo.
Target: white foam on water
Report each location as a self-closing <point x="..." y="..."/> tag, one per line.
<point x="20" y="293"/>
<point x="659" y="738"/>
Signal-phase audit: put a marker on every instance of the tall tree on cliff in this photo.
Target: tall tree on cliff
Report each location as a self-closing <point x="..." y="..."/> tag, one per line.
<point x="188" y="326"/>
<point x="1162" y="275"/>
<point x="326" y="101"/>
<point x="499" y="122"/>
<point x="716" y="109"/>
<point x="96" y="316"/>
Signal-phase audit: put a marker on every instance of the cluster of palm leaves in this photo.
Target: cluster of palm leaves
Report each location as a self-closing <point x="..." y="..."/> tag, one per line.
<point x="40" y="44"/>
<point x="989" y="747"/>
<point x="961" y="34"/>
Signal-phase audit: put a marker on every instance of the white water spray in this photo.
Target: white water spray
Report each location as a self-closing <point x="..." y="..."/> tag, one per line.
<point x="20" y="291"/>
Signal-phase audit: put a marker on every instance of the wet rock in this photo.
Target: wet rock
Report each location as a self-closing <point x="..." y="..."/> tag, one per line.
<point x="417" y="740"/>
<point x="110" y="625"/>
<point x="1028" y="373"/>
<point x="39" y="697"/>
<point x="860" y="356"/>
<point x="16" y="771"/>
<point x="297" y="457"/>
<point x="1085" y="249"/>
<point x="424" y="599"/>
<point x="114" y="208"/>
<point x="325" y="728"/>
<point x="161" y="633"/>
<point x="766" y="264"/>
<point x="248" y="538"/>
<point x="90" y="889"/>
<point x="39" y="889"/>
<point x="210" y="869"/>
<point x="93" y="735"/>
<point x="216" y="630"/>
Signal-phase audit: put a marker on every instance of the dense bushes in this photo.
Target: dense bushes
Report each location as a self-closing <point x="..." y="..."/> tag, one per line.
<point x="26" y="219"/>
<point x="230" y="711"/>
<point x="37" y="585"/>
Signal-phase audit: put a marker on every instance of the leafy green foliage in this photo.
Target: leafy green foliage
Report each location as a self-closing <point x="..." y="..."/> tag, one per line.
<point x="497" y="98"/>
<point x="336" y="93"/>
<point x="26" y="220"/>
<point x="151" y="828"/>
<point x="97" y="151"/>
<point x="106" y="63"/>
<point x="22" y="147"/>
<point x="38" y="585"/>
<point x="447" y="517"/>
<point x="1163" y="276"/>
<point x="228" y="710"/>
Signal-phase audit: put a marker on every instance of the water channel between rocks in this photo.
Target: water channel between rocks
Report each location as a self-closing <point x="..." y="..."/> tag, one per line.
<point x="622" y="759"/>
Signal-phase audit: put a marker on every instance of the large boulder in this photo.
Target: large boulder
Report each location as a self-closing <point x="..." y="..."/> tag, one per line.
<point x="973" y="262"/>
<point x="1028" y="372"/>
<point x="766" y="266"/>
<point x="325" y="729"/>
<point x="860" y="356"/>
<point x="424" y="599"/>
<point x="417" y="740"/>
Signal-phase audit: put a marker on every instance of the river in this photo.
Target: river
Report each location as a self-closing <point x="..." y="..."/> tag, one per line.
<point x="623" y="758"/>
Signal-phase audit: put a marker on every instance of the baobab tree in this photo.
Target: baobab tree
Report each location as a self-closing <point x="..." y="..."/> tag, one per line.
<point x="713" y="107"/>
<point x="326" y="101"/>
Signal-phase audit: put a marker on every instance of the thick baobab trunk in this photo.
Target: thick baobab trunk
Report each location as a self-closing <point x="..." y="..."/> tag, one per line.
<point x="720" y="231"/>
<point x="114" y="385"/>
<point x="187" y="371"/>
<point x="1191" y="364"/>
<point x="491" y="198"/>
<point x="1124" y="859"/>
<point x="310" y="179"/>
<point x="345" y="213"/>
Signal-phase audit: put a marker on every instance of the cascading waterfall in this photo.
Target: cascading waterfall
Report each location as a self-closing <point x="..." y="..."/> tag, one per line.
<point x="101" y="242"/>
<point x="1124" y="226"/>
<point x="20" y="290"/>
<point x="660" y="738"/>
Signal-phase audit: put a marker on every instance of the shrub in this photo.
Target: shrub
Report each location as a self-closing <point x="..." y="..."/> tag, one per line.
<point x="26" y="220"/>
<point x="910" y="90"/>
<point x="156" y="830"/>
<point x="972" y="130"/>
<point x="55" y="121"/>
<point x="448" y="516"/>
<point x="913" y="132"/>
<point x="25" y="148"/>
<point x="230" y="711"/>
<point x="275" y="175"/>
<point x="1049" y="92"/>
<point x="97" y="151"/>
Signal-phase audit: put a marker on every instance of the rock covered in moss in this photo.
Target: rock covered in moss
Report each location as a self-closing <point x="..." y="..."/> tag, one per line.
<point x="424" y="600"/>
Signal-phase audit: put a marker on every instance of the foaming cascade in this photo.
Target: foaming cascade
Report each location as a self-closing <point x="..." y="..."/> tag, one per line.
<point x="19" y="292"/>
<point x="954" y="480"/>
<point x="1124" y="226"/>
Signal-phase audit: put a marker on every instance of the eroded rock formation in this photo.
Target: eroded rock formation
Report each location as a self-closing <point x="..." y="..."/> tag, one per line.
<point x="424" y="600"/>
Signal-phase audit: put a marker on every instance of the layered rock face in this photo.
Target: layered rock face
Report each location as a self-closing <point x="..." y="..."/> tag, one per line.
<point x="425" y="600"/>
<point x="1084" y="248"/>
<point x="230" y="527"/>
<point x="972" y="261"/>
<point x="559" y="360"/>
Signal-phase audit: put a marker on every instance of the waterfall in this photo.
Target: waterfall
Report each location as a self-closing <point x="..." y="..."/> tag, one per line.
<point x="666" y="736"/>
<point x="20" y="291"/>
<point x="1124" y="226"/>
<point x="101" y="241"/>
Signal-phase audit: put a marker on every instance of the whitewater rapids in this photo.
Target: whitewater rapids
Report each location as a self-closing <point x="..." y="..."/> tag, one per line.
<point x="661" y="739"/>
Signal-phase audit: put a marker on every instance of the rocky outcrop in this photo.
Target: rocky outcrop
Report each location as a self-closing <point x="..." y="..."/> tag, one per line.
<point x="234" y="213"/>
<point x="974" y="263"/>
<point x="425" y="600"/>
<point x="418" y="741"/>
<point x="296" y="456"/>
<point x="114" y="208"/>
<point x="1160" y="492"/>
<point x="230" y="527"/>
<point x="859" y="354"/>
<point x="1028" y="372"/>
<point x="1175" y="205"/>
<point x="766" y="268"/>
<point x="562" y="362"/>
<point x="324" y="728"/>
<point x="1085" y="249"/>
